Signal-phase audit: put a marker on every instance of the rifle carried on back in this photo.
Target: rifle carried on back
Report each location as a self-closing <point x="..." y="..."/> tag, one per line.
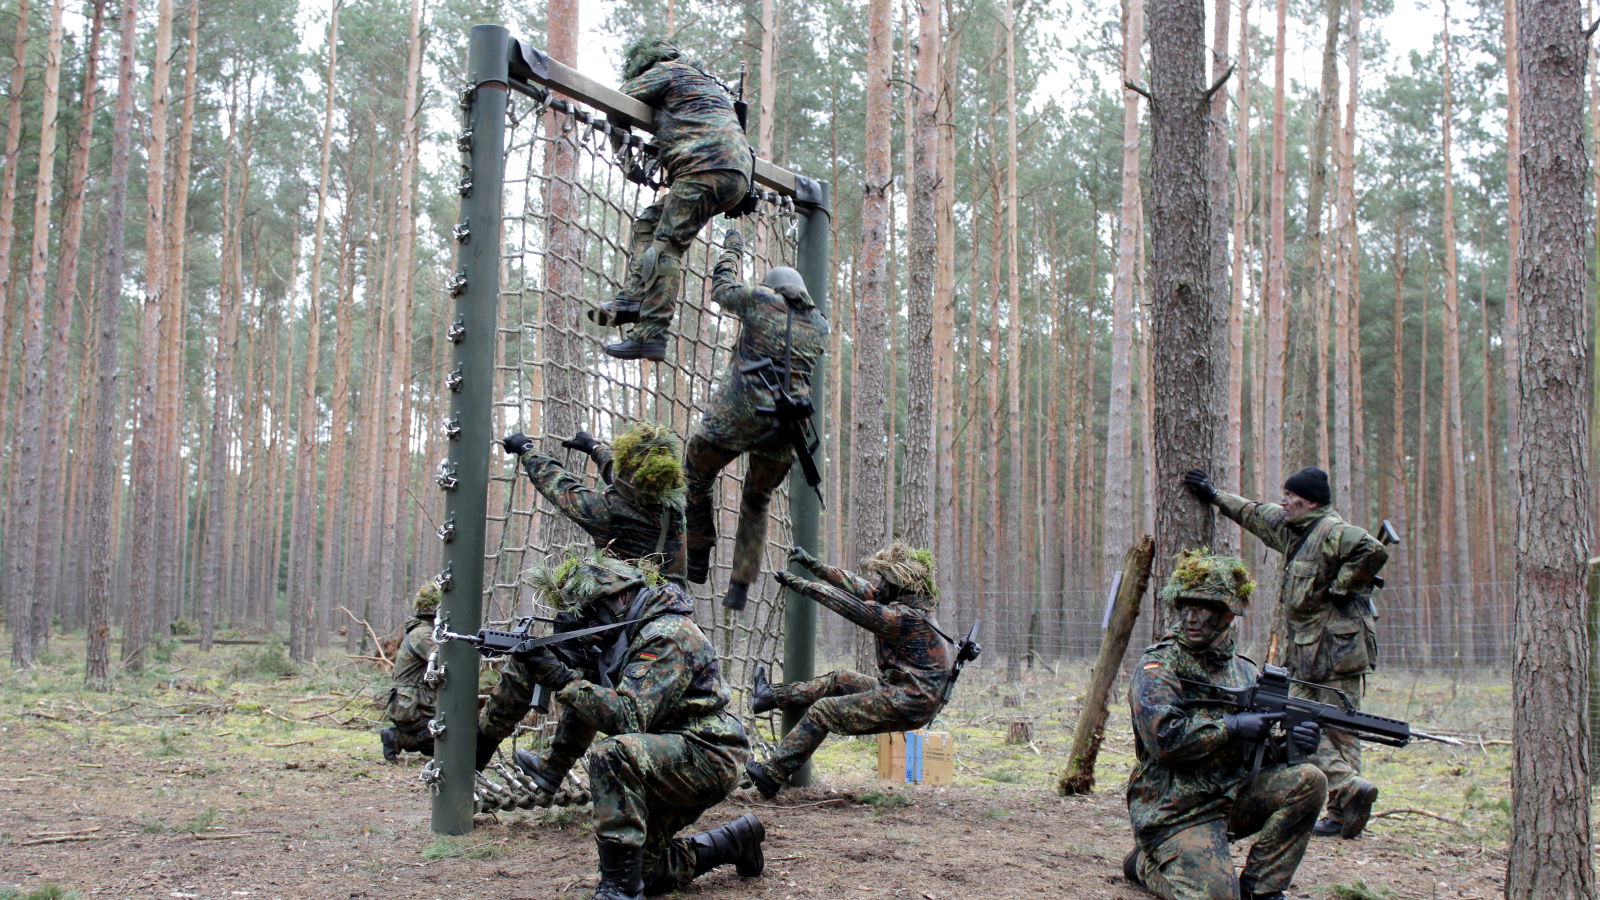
<point x="793" y="417"/>
<point x="966" y="651"/>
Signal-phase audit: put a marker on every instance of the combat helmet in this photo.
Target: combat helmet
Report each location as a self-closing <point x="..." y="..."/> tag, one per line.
<point x="426" y="602"/>
<point x="585" y="577"/>
<point x="908" y="568"/>
<point x="649" y="464"/>
<point x="646" y="52"/>
<point x="786" y="282"/>
<point x="1204" y="577"/>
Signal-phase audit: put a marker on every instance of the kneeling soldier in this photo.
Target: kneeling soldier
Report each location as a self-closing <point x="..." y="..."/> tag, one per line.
<point x="1196" y="783"/>
<point x="639" y="513"/>
<point x="915" y="660"/>
<point x="411" y="698"/>
<point x="672" y="749"/>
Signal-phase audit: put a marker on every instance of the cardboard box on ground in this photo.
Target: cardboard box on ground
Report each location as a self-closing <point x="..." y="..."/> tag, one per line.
<point x="916" y="757"/>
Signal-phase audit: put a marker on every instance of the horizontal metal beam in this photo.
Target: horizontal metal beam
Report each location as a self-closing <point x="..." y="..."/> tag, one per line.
<point x="529" y="64"/>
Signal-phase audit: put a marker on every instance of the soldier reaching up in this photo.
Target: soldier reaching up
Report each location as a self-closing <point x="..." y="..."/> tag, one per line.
<point x="915" y="659"/>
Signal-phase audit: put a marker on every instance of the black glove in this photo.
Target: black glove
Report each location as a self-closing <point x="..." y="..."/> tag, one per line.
<point x="583" y="442"/>
<point x="1306" y="736"/>
<point x="1250" y="726"/>
<point x="533" y="765"/>
<point x="517" y="443"/>
<point x="733" y="241"/>
<point x="486" y="748"/>
<point x="1199" y="484"/>
<point x="548" y="671"/>
<point x="789" y="579"/>
<point x="801" y="556"/>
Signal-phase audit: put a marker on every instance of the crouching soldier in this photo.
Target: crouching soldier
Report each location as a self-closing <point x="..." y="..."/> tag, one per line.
<point x="915" y="660"/>
<point x="412" y="699"/>
<point x="638" y="511"/>
<point x="782" y="335"/>
<point x="1196" y="783"/>
<point x="671" y="751"/>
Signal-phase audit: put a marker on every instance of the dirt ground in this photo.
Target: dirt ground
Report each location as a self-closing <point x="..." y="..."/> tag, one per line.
<point x="195" y="785"/>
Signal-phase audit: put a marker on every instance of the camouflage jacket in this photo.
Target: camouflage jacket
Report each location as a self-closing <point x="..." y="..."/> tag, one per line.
<point x="1189" y="771"/>
<point x="620" y="524"/>
<point x="696" y="129"/>
<point x="1325" y="561"/>
<point x="412" y="700"/>
<point x="766" y="331"/>
<point x="667" y="677"/>
<point x="914" y="655"/>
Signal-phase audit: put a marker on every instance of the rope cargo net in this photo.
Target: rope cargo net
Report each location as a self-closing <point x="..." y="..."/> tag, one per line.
<point x="568" y="210"/>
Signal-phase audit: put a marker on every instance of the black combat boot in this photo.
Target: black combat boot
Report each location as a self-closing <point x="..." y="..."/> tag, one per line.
<point x="1358" y="809"/>
<point x="425" y="746"/>
<point x="391" y="753"/>
<point x="761" y="696"/>
<point x="1328" y="826"/>
<point x="654" y="349"/>
<point x="738" y="595"/>
<point x="762" y="779"/>
<point x="738" y="842"/>
<point x="620" y="310"/>
<point x="1130" y="867"/>
<point x="532" y="765"/>
<point x="621" y="873"/>
<point x="699" y="564"/>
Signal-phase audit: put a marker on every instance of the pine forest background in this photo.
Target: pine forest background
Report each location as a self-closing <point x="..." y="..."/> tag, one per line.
<point x="223" y="248"/>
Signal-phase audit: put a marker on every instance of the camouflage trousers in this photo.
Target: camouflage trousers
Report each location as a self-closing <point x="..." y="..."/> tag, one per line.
<point x="669" y="226"/>
<point x="841" y="701"/>
<point x="702" y="461"/>
<point x="1279" y="807"/>
<point x="648" y="787"/>
<point x="413" y="736"/>
<point x="1339" y="754"/>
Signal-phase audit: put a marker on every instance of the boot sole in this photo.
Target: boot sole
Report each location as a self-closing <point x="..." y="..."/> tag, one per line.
<point x="655" y="356"/>
<point x="754" y="869"/>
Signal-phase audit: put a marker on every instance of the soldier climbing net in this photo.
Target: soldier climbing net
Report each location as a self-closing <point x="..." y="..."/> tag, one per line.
<point x="566" y="208"/>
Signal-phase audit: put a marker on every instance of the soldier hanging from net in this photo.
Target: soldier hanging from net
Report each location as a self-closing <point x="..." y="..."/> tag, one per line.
<point x="639" y="514"/>
<point x="762" y="408"/>
<point x="915" y="660"/>
<point x="706" y="164"/>
<point x="654" y="687"/>
<point x="412" y="699"/>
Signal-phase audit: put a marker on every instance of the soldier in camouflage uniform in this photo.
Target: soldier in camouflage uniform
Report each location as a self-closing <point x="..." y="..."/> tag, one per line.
<point x="671" y="751"/>
<point x="639" y="514"/>
<point x="411" y="699"/>
<point x="1193" y="789"/>
<point x="915" y="659"/>
<point x="1328" y="571"/>
<point x="778" y="324"/>
<point x="707" y="167"/>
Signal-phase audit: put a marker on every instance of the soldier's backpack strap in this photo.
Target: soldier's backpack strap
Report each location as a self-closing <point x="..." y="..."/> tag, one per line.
<point x="1313" y="538"/>
<point x="661" y="534"/>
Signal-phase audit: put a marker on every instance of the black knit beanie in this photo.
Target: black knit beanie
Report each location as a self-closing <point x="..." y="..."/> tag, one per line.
<point x="1312" y="484"/>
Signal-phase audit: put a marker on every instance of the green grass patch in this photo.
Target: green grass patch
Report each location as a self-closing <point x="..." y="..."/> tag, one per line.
<point x="451" y="848"/>
<point x="1360" y="890"/>
<point x="883" y="799"/>
<point x="48" y="892"/>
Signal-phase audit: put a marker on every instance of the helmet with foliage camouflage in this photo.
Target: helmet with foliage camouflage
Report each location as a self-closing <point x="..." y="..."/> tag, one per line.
<point x="649" y="463"/>
<point x="426" y="602"/>
<point x="646" y="52"/>
<point x="1204" y="577"/>
<point x="585" y="576"/>
<point x="908" y="568"/>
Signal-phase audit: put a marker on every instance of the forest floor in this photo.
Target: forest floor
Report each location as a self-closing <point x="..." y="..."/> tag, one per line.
<point x="234" y="774"/>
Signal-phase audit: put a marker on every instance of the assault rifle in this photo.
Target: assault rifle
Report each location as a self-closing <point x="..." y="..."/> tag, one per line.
<point x="1270" y="694"/>
<point x="793" y="415"/>
<point x="521" y="642"/>
<point x="966" y="651"/>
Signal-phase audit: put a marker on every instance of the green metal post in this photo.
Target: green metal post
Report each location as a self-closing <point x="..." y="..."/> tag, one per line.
<point x="465" y="472"/>
<point x="805" y="511"/>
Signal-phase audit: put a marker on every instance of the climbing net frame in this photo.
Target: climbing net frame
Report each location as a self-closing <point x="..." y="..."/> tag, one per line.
<point x="549" y="206"/>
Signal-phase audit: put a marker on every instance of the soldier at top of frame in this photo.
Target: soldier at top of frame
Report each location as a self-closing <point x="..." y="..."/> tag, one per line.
<point x="701" y="156"/>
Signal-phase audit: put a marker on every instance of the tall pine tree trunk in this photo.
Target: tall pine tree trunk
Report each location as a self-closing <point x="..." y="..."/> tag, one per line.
<point x="15" y="90"/>
<point x="922" y="369"/>
<point x="1551" y="854"/>
<point x="1455" y="467"/>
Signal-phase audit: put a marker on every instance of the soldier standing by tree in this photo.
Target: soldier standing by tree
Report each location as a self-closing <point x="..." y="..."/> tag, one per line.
<point x="701" y="147"/>
<point x="412" y="700"/>
<point x="1328" y="571"/>
<point x="782" y="335"/>
<point x="639" y="514"/>
<point x="1193" y="787"/>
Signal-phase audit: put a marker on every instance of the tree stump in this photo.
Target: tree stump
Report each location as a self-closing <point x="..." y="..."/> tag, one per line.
<point x="1020" y="731"/>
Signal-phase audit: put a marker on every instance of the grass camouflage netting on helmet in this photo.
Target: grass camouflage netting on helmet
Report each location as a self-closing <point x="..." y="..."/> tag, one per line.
<point x="585" y="575"/>
<point x="1201" y="575"/>
<point x="909" y="568"/>
<point x="427" y="599"/>
<point x="568" y="209"/>
<point x="650" y="458"/>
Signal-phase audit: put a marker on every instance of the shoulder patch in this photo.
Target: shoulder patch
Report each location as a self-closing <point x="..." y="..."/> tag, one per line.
<point x="636" y="671"/>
